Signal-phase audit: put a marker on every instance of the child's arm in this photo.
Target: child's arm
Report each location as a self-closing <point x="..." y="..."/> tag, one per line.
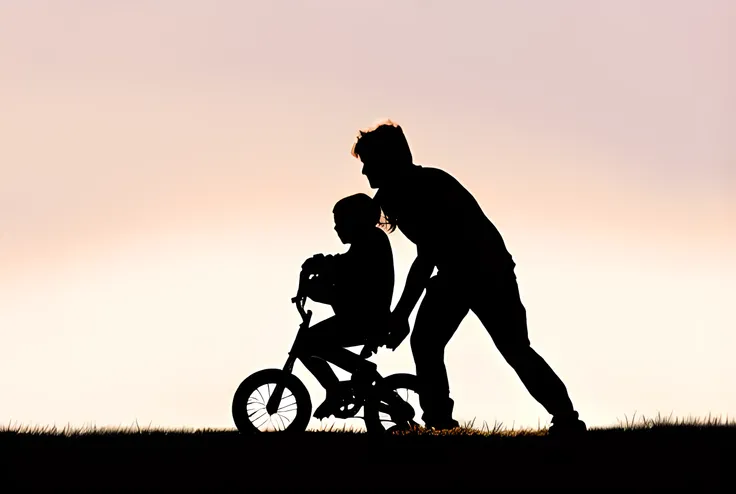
<point x="320" y="280"/>
<point x="320" y="290"/>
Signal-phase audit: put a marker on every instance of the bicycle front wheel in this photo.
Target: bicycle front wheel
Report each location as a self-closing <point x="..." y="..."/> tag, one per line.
<point x="249" y="403"/>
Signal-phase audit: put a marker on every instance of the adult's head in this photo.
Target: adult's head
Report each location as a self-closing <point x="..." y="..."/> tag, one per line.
<point x="354" y="215"/>
<point x="384" y="152"/>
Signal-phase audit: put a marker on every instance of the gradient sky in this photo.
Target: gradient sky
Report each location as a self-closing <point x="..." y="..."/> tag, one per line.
<point x="165" y="167"/>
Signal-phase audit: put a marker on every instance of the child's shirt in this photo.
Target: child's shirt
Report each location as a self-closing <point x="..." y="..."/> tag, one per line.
<point x="363" y="280"/>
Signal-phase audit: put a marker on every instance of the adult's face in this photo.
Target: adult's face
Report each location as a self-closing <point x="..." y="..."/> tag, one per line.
<point x="375" y="170"/>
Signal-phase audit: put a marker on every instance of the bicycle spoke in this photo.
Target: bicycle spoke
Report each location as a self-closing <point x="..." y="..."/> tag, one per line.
<point x="261" y="415"/>
<point x="275" y="422"/>
<point x="258" y="390"/>
<point x="255" y="412"/>
<point x="287" y="405"/>
<point x="264" y="421"/>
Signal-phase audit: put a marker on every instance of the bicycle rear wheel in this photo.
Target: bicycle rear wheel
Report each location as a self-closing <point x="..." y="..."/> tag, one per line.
<point x="394" y="405"/>
<point x="251" y="397"/>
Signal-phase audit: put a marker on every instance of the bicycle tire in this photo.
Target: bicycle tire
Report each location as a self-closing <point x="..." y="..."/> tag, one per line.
<point x="251" y="386"/>
<point x="377" y="402"/>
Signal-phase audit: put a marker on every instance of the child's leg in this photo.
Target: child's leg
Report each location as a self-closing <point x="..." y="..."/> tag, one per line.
<point x="326" y="342"/>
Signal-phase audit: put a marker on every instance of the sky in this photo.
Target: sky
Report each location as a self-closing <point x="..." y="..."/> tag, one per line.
<point x="165" y="168"/>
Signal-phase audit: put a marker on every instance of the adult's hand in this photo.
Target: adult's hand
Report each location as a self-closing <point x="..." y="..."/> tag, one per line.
<point x="398" y="330"/>
<point x="369" y="349"/>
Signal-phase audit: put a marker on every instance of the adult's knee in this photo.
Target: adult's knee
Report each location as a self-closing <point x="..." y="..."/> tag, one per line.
<point x="515" y="352"/>
<point x="417" y="344"/>
<point x="423" y="348"/>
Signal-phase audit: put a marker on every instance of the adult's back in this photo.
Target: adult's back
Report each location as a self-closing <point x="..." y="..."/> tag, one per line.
<point x="438" y="214"/>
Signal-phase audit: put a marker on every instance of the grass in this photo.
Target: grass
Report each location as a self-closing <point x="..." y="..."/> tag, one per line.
<point x="661" y="421"/>
<point x="498" y="429"/>
<point x="638" y="452"/>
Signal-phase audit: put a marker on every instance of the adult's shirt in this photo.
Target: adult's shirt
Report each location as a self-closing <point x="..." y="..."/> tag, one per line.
<point x="446" y="223"/>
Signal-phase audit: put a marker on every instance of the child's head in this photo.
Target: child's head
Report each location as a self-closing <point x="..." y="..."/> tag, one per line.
<point x="355" y="215"/>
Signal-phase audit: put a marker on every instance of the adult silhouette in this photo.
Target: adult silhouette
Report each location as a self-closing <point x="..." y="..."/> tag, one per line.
<point x="474" y="272"/>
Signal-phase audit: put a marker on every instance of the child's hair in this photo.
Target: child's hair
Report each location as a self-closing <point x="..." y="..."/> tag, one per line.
<point x="361" y="207"/>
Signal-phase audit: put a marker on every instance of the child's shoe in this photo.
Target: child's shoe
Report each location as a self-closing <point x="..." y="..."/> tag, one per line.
<point x="336" y="396"/>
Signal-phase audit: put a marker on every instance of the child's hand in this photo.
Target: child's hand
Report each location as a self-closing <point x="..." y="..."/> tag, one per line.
<point x="312" y="264"/>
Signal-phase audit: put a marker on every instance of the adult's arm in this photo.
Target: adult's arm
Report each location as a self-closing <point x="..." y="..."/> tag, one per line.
<point x="398" y="326"/>
<point x="416" y="281"/>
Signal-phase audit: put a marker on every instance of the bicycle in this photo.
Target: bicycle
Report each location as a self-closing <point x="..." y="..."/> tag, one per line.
<point x="277" y="400"/>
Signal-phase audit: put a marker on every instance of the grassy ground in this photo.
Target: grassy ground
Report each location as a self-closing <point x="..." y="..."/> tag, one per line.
<point x="643" y="453"/>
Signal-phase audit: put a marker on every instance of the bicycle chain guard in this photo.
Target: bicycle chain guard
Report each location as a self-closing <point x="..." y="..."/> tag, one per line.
<point x="351" y="402"/>
<point x="390" y="403"/>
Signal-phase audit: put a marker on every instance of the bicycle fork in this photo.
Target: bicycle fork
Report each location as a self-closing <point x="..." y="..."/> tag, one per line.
<point x="275" y="400"/>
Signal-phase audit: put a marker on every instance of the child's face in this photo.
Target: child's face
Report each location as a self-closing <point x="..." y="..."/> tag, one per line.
<point x="344" y="227"/>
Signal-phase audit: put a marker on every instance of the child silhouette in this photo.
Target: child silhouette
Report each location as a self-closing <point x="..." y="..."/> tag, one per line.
<point x="358" y="285"/>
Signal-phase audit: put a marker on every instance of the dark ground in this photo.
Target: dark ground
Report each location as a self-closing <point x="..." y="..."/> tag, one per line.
<point x="680" y="457"/>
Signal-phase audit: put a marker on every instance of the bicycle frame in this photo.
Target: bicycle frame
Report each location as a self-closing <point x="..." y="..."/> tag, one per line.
<point x="273" y="402"/>
<point x="296" y="351"/>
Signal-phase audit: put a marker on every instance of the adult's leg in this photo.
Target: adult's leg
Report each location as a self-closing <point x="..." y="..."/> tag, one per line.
<point x="438" y="317"/>
<point x="498" y="306"/>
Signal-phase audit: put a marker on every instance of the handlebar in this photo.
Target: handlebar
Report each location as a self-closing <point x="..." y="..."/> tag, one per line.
<point x="299" y="300"/>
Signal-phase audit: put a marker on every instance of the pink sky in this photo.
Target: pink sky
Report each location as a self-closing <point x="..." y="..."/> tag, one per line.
<point x="164" y="169"/>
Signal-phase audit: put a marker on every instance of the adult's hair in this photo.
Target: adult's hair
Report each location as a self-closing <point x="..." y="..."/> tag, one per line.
<point x="386" y="142"/>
